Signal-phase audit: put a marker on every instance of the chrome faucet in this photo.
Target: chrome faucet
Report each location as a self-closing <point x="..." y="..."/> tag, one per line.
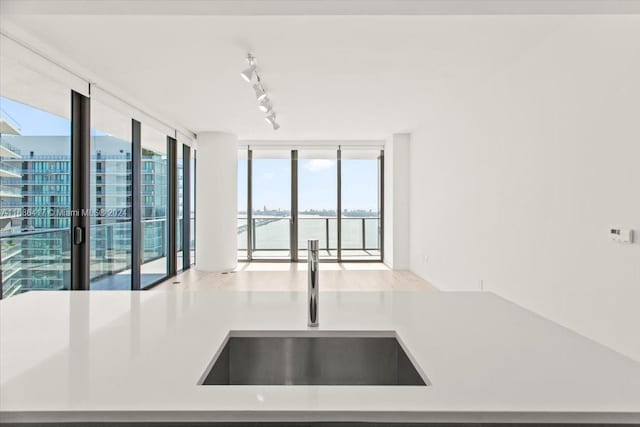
<point x="313" y="258"/>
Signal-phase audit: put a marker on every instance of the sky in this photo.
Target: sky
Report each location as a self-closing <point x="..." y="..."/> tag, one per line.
<point x="316" y="184"/>
<point x="34" y="122"/>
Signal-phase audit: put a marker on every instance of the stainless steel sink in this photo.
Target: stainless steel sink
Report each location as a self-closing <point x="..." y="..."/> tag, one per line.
<point x="313" y="358"/>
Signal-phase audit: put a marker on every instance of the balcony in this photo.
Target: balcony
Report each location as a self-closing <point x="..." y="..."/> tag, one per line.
<point x="35" y="260"/>
<point x="40" y="259"/>
<point x="8" y="171"/>
<point x="10" y="191"/>
<point x="7" y="150"/>
<point x="271" y="237"/>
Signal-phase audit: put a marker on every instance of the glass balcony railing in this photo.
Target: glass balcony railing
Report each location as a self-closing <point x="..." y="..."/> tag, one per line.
<point x="35" y="260"/>
<point x="361" y="233"/>
<point x="40" y="259"/>
<point x="271" y="235"/>
<point x="9" y="170"/>
<point x="154" y="233"/>
<point x="110" y="248"/>
<point x="10" y="191"/>
<point x="12" y="150"/>
<point x="324" y="229"/>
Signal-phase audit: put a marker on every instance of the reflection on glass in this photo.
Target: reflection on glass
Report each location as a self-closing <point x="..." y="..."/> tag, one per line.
<point x="179" y="210"/>
<point x="317" y="201"/>
<point x="271" y="205"/>
<point x="360" y="204"/>
<point x="35" y="196"/>
<point x="154" y="201"/>
<point x="192" y="208"/>
<point x="110" y="237"/>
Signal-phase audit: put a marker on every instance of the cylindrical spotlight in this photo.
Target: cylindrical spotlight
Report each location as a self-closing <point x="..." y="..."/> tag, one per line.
<point x="248" y="73"/>
<point x="271" y="119"/>
<point x="265" y="105"/>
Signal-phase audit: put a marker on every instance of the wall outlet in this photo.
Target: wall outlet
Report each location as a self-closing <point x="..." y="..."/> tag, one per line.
<point x="425" y="259"/>
<point x="621" y="235"/>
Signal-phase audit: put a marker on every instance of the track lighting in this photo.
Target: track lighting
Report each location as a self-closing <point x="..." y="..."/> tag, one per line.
<point x="271" y="119"/>
<point x="249" y="72"/>
<point x="260" y="93"/>
<point x="264" y="103"/>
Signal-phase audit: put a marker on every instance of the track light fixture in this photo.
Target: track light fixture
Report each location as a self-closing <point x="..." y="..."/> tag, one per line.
<point x="264" y="103"/>
<point x="271" y="119"/>
<point x="249" y="72"/>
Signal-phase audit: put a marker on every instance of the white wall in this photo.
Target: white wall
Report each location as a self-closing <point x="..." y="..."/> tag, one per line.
<point x="515" y="183"/>
<point x="216" y="202"/>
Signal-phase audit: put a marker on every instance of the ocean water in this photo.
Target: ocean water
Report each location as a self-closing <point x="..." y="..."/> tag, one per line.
<point x="273" y="233"/>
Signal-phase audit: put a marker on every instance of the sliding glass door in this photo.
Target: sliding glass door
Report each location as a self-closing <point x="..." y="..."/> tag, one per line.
<point x="35" y="188"/>
<point x="317" y="201"/>
<point x="191" y="241"/>
<point x="271" y="205"/>
<point x="180" y="216"/>
<point x="361" y="205"/>
<point x="111" y="198"/>
<point x="154" y="205"/>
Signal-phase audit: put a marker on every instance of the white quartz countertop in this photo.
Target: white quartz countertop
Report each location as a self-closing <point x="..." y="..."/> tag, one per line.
<point x="138" y="356"/>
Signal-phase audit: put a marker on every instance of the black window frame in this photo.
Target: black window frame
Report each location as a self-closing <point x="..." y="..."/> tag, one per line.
<point x="293" y="235"/>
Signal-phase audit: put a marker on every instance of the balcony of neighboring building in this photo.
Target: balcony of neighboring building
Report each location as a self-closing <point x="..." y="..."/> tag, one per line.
<point x="10" y="191"/>
<point x="9" y="171"/>
<point x="8" y="126"/>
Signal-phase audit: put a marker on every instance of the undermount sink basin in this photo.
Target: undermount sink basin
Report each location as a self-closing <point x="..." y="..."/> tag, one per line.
<point x="313" y="358"/>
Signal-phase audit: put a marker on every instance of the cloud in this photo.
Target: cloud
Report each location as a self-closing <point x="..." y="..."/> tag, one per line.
<point x="316" y="165"/>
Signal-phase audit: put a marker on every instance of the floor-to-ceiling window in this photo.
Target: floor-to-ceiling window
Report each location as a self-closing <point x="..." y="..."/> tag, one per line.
<point x="35" y="186"/>
<point x="317" y="201"/>
<point x="287" y="196"/>
<point x="180" y="206"/>
<point x="360" y="196"/>
<point x="271" y="203"/>
<point x="192" y="206"/>
<point x="154" y="205"/>
<point x="70" y="160"/>
<point x="111" y="197"/>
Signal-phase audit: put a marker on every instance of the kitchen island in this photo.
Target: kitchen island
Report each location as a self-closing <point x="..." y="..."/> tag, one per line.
<point x="125" y="356"/>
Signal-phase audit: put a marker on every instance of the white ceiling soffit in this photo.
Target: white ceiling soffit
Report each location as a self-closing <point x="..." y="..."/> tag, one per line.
<point x="306" y="144"/>
<point x="19" y="61"/>
<point x="321" y="7"/>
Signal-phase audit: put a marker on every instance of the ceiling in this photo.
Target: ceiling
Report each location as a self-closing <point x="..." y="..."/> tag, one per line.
<point x="329" y="76"/>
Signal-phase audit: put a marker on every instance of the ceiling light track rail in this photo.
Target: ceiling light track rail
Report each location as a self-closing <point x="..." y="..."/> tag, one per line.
<point x="264" y="102"/>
